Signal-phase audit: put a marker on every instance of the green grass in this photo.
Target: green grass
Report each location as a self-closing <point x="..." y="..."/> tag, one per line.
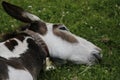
<point x="96" y="20"/>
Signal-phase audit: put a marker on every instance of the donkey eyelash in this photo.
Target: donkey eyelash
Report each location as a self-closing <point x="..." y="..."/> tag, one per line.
<point x="62" y="28"/>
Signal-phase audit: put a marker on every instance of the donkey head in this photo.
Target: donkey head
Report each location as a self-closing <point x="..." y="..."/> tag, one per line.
<point x="61" y="42"/>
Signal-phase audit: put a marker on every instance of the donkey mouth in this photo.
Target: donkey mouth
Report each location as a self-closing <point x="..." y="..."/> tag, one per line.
<point x="97" y="57"/>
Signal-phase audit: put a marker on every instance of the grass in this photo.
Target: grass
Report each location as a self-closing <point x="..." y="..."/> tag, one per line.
<point x="96" y="20"/>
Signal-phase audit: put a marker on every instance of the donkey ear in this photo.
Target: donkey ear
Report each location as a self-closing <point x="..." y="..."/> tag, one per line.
<point x="19" y="13"/>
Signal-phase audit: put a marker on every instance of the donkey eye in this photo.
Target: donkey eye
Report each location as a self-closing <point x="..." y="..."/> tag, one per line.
<point x="62" y="28"/>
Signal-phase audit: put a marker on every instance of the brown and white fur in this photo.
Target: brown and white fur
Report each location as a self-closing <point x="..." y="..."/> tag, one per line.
<point x="21" y="58"/>
<point x="62" y="44"/>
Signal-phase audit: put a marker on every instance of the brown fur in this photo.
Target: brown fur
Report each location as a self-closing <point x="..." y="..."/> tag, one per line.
<point x="10" y="44"/>
<point x="32" y="59"/>
<point x="39" y="27"/>
<point x="3" y="69"/>
<point x="64" y="35"/>
<point x="43" y="28"/>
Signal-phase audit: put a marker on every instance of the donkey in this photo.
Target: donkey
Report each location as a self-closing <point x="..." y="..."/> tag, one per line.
<point x="61" y="43"/>
<point x="23" y="54"/>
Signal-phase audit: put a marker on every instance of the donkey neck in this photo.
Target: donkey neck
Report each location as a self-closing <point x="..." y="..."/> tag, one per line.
<point x="39" y="41"/>
<point x="31" y="58"/>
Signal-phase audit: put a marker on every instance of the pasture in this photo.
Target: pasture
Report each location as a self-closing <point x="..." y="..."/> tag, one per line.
<point x="96" y="20"/>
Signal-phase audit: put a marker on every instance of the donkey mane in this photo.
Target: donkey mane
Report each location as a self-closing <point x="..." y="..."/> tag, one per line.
<point x="14" y="34"/>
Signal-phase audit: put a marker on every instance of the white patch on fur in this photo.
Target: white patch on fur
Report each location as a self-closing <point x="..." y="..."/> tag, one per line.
<point x="19" y="49"/>
<point x="31" y="16"/>
<point x="17" y="74"/>
<point x="80" y="53"/>
<point x="49" y="64"/>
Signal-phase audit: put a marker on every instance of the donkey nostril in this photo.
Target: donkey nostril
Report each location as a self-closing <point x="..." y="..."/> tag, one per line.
<point x="98" y="57"/>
